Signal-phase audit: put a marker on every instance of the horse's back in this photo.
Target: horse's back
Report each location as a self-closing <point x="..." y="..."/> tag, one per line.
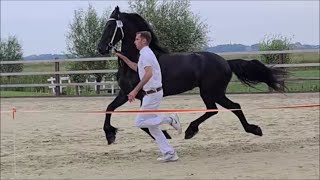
<point x="198" y="63"/>
<point x="216" y="64"/>
<point x="184" y="71"/>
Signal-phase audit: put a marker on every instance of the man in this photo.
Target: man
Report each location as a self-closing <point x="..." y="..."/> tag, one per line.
<point x="151" y="83"/>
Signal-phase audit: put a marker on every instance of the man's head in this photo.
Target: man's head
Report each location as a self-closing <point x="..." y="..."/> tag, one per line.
<point x="143" y="38"/>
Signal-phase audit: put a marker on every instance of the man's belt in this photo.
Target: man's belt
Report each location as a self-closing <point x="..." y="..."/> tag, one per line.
<point x="152" y="91"/>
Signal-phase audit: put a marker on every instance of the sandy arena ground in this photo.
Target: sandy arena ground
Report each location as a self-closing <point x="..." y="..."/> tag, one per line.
<point x="65" y="145"/>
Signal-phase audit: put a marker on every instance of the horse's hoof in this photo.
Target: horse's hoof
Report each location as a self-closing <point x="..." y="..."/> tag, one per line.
<point x="111" y="134"/>
<point x="190" y="132"/>
<point x="111" y="139"/>
<point x="256" y="130"/>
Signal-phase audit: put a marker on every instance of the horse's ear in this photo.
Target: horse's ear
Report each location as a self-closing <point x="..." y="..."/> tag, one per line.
<point x="117" y="12"/>
<point x="117" y="9"/>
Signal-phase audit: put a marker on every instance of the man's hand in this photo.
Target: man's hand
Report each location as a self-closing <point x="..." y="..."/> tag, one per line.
<point x="120" y="55"/>
<point x="131" y="64"/>
<point x="132" y="95"/>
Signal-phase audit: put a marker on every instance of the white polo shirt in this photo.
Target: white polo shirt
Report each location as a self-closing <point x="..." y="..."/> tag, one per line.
<point x="148" y="58"/>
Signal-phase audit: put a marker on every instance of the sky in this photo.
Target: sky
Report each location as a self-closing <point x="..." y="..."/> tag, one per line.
<point x="41" y="26"/>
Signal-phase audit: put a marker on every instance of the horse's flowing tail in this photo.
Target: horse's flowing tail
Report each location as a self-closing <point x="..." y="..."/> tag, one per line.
<point x="254" y="72"/>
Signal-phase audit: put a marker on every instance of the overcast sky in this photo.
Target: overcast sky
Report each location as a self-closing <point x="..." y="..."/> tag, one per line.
<point x="41" y="26"/>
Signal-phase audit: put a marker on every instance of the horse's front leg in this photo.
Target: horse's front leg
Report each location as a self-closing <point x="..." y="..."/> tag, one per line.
<point x="109" y="130"/>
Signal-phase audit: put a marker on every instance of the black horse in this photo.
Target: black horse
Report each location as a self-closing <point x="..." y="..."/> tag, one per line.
<point x="181" y="72"/>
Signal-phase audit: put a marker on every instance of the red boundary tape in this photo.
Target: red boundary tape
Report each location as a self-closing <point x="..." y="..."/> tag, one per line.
<point x="14" y="110"/>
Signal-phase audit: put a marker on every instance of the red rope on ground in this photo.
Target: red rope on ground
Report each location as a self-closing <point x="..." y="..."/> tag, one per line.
<point x="14" y="110"/>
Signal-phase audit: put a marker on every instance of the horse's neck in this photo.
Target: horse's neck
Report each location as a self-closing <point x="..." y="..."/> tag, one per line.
<point x="131" y="53"/>
<point x="129" y="50"/>
<point x="158" y="51"/>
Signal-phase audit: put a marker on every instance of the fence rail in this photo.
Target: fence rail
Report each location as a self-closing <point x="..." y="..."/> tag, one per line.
<point x="60" y="72"/>
<point x="114" y="83"/>
<point x="57" y="84"/>
<point x="57" y="71"/>
<point x="115" y="70"/>
<point x="272" y="52"/>
<point x="59" y="60"/>
<point x="114" y="58"/>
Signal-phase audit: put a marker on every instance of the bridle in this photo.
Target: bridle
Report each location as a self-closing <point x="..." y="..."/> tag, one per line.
<point x="119" y="25"/>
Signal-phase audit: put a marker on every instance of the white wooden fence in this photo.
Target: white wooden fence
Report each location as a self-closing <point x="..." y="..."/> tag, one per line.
<point x="57" y="73"/>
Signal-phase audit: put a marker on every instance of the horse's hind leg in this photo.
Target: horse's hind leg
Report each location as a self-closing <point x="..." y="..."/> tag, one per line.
<point x="194" y="125"/>
<point x="251" y="128"/>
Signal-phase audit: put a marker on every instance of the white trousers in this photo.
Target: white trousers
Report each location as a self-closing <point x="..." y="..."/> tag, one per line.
<point x="153" y="121"/>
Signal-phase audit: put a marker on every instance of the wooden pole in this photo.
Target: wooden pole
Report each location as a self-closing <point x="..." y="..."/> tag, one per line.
<point x="282" y="62"/>
<point x="57" y="76"/>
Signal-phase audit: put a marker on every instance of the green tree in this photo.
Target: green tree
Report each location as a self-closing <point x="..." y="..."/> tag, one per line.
<point x="177" y="28"/>
<point x="11" y="50"/>
<point x="275" y="43"/>
<point x="84" y="32"/>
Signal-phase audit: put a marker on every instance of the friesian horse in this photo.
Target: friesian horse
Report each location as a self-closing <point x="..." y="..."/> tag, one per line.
<point x="181" y="72"/>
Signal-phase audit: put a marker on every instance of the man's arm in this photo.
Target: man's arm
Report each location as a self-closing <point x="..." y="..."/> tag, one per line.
<point x="147" y="76"/>
<point x="144" y="80"/>
<point x="132" y="65"/>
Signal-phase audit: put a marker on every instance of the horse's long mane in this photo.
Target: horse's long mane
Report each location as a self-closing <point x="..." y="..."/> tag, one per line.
<point x="144" y="26"/>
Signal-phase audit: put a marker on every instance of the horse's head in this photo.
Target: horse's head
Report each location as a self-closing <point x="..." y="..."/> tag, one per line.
<point x="116" y="28"/>
<point x="113" y="32"/>
<point x="124" y="26"/>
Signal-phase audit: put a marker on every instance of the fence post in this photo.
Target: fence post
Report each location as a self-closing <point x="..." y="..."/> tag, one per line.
<point x="283" y="68"/>
<point x="281" y="61"/>
<point x="57" y="76"/>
